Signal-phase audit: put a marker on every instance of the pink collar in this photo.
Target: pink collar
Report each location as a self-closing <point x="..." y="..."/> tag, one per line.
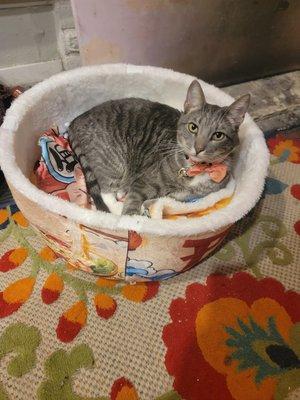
<point x="217" y="172"/>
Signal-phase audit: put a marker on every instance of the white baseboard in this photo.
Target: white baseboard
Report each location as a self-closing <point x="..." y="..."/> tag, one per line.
<point x="29" y="74"/>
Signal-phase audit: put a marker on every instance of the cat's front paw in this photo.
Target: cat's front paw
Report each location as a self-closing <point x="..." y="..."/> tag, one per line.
<point x="145" y="209"/>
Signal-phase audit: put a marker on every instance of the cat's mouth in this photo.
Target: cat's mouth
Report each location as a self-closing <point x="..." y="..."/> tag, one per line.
<point x="194" y="160"/>
<point x="206" y="159"/>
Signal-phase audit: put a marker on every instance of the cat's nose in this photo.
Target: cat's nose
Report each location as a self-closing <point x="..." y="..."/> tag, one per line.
<point x="199" y="149"/>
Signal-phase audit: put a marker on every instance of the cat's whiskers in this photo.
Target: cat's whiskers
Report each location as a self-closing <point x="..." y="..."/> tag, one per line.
<point x="218" y="158"/>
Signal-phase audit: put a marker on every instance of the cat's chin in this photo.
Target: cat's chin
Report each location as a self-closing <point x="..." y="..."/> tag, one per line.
<point x="194" y="160"/>
<point x="198" y="160"/>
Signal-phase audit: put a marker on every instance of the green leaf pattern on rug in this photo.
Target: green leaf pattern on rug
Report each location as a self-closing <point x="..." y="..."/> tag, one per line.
<point x="172" y="395"/>
<point x="3" y="393"/>
<point x="60" y="368"/>
<point x="23" y="340"/>
<point x="274" y="229"/>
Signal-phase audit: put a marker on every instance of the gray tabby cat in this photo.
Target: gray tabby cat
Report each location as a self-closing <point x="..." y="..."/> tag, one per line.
<point x="142" y="149"/>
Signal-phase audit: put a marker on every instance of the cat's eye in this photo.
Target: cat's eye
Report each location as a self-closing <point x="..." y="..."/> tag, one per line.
<point x="193" y="128"/>
<point x="218" y="136"/>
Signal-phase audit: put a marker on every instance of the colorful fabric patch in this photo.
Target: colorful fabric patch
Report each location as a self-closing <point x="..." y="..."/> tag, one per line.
<point x="58" y="172"/>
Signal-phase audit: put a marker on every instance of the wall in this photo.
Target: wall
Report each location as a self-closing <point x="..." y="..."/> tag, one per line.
<point x="222" y="41"/>
<point x="66" y="34"/>
<point x="37" y="40"/>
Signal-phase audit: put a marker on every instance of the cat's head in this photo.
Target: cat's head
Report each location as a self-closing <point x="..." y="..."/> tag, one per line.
<point x="206" y="132"/>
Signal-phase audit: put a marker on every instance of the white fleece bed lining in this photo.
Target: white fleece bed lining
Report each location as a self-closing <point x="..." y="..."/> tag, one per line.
<point x="171" y="206"/>
<point x="47" y="102"/>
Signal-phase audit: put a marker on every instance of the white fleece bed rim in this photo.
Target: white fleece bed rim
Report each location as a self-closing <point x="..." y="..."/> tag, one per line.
<point x="240" y="205"/>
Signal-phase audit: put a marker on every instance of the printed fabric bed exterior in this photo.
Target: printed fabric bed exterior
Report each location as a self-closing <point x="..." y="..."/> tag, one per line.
<point x="228" y="329"/>
<point x="118" y="255"/>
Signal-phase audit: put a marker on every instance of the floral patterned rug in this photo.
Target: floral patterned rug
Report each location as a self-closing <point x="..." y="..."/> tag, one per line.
<point x="227" y="329"/>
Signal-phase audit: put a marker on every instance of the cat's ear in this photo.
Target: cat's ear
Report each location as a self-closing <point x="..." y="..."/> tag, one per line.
<point x="237" y="110"/>
<point x="195" y="98"/>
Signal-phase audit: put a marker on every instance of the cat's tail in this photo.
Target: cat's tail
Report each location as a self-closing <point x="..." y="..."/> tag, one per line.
<point x="92" y="185"/>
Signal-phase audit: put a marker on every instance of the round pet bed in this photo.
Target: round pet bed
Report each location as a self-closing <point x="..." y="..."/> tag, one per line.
<point x="120" y="247"/>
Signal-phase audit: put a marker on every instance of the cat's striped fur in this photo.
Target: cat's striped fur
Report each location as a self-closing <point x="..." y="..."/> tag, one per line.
<point x="137" y="147"/>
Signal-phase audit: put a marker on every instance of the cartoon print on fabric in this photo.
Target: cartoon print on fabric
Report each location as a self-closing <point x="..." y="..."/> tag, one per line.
<point x="145" y="269"/>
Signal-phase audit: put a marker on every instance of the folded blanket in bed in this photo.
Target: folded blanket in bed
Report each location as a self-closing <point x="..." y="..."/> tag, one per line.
<point x="59" y="173"/>
<point x="168" y="208"/>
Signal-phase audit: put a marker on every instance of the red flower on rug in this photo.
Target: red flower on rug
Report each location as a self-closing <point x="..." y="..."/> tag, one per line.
<point x="295" y="191"/>
<point x="123" y="389"/>
<point x="234" y="338"/>
<point x="52" y="288"/>
<point x="105" y="305"/>
<point x="12" y="259"/>
<point x="14" y="295"/>
<point x="71" y="322"/>
<point x="297" y="227"/>
<point x="140" y="291"/>
<point x="289" y="149"/>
